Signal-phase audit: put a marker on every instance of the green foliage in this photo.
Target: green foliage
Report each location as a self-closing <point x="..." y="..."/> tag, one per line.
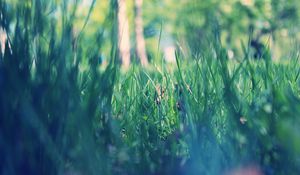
<point x="60" y="113"/>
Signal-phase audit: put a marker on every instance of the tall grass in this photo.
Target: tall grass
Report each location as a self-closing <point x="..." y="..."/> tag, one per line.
<point x="206" y="115"/>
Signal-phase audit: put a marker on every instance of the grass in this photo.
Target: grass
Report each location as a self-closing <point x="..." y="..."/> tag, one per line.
<point x="204" y="115"/>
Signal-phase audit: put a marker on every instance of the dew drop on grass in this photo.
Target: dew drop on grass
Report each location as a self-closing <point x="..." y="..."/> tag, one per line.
<point x="268" y="108"/>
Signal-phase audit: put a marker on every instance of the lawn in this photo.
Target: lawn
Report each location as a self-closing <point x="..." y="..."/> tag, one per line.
<point x="64" y="111"/>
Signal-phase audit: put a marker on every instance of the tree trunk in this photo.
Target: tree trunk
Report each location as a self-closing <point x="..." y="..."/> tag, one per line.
<point x="139" y="33"/>
<point x="123" y="34"/>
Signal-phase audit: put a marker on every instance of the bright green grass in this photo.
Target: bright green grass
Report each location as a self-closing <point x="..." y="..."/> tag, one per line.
<point x="214" y="116"/>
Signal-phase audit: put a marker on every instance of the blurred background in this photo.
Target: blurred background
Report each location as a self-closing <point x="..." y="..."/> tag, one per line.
<point x="168" y="25"/>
